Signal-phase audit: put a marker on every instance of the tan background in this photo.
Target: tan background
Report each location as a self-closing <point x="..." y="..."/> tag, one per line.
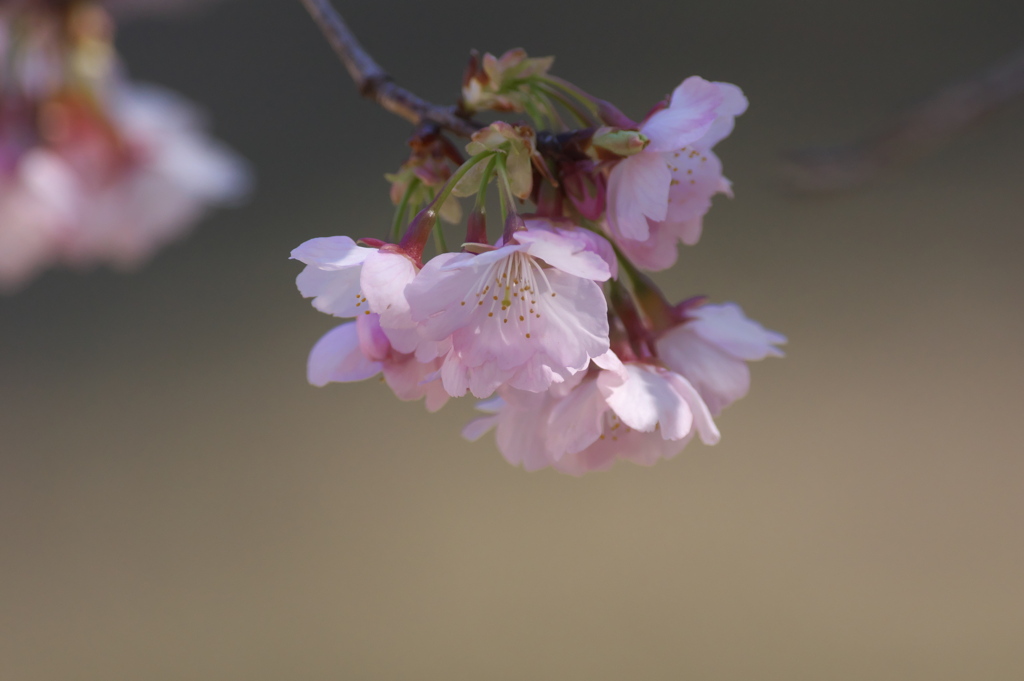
<point x="176" y="503"/>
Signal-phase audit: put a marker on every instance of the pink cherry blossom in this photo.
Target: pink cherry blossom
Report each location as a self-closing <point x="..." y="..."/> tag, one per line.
<point x="519" y="419"/>
<point x="638" y="187"/>
<point x="35" y="215"/>
<point x="651" y="206"/>
<point x="696" y="178"/>
<point x="527" y="313"/>
<point x="348" y="280"/>
<point x="93" y="168"/>
<point x="127" y="209"/>
<point x="111" y="192"/>
<point x="712" y="348"/>
<point x="635" y="412"/>
<point x="356" y="351"/>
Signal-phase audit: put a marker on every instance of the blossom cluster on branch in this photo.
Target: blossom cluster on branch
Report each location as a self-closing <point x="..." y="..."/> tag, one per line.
<point x="549" y="318"/>
<point x="94" y="168"/>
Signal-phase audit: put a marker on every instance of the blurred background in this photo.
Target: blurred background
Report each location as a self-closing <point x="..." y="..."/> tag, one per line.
<point x="176" y="502"/>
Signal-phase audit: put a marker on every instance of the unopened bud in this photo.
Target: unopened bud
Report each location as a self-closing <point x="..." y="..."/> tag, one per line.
<point x="620" y="142"/>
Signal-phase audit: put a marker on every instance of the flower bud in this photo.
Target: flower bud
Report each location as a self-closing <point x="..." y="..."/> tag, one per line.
<point x="500" y="83"/>
<point x="617" y="142"/>
<point x="517" y="142"/>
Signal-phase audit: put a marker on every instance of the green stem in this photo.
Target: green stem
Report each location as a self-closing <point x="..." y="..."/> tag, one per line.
<point x="504" y="188"/>
<point x="570" y="106"/>
<point x="446" y="191"/>
<point x="559" y="84"/>
<point x="649" y="298"/>
<point x="481" y="194"/>
<point x="400" y="211"/>
<point x="439" y="242"/>
<point x="633" y="273"/>
<point x="536" y="114"/>
<point x="552" y="111"/>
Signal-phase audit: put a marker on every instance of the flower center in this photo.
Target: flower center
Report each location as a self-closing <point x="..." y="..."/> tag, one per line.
<point x="613" y="427"/>
<point x="509" y="293"/>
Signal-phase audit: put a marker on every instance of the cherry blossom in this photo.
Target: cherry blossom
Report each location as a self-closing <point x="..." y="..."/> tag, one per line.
<point x="696" y="176"/>
<point x="94" y="169"/>
<point x="663" y="192"/>
<point x="578" y="368"/>
<point x="528" y="313"/>
<point x="711" y="350"/>
<point x="35" y="215"/>
<point x="132" y="200"/>
<point x="331" y="276"/>
<point x="635" y="412"/>
<point x="348" y="280"/>
<point x="358" y="350"/>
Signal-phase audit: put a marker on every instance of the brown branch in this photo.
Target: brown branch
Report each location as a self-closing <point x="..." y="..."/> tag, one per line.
<point x="374" y="82"/>
<point x="951" y="110"/>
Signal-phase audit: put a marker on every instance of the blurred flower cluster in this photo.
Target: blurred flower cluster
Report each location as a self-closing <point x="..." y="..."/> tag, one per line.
<point x="550" y="319"/>
<point x="93" y="167"/>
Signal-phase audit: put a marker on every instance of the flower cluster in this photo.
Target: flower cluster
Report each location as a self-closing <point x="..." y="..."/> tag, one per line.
<point x="579" y="357"/>
<point x="93" y="168"/>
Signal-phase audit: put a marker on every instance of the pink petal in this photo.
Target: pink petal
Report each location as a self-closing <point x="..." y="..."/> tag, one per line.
<point x="638" y="188"/>
<point x="644" y="399"/>
<point x="372" y="342"/>
<point x="727" y="327"/>
<point x="520" y="434"/>
<point x="701" y="416"/>
<point x="576" y="320"/>
<point x="688" y="117"/>
<point x="733" y="104"/>
<point x="719" y="377"/>
<point x="658" y="252"/>
<point x="696" y="177"/>
<point x="577" y="420"/>
<point x="436" y="293"/>
<point x="336" y="357"/>
<point x="611" y="362"/>
<point x="477" y="428"/>
<point x="566" y="251"/>
<point x="383" y="279"/>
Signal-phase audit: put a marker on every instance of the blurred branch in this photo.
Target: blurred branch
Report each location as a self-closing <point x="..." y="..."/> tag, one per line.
<point x="920" y="129"/>
<point x="374" y="82"/>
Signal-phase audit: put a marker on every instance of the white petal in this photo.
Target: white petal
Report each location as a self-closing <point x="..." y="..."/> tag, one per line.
<point x="331" y="253"/>
<point x="335" y="292"/>
<point x="645" y="399"/>
<point x="611" y="362"/>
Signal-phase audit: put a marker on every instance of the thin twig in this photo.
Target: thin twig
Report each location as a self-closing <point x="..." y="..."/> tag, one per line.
<point x="374" y="82"/>
<point x="951" y="110"/>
